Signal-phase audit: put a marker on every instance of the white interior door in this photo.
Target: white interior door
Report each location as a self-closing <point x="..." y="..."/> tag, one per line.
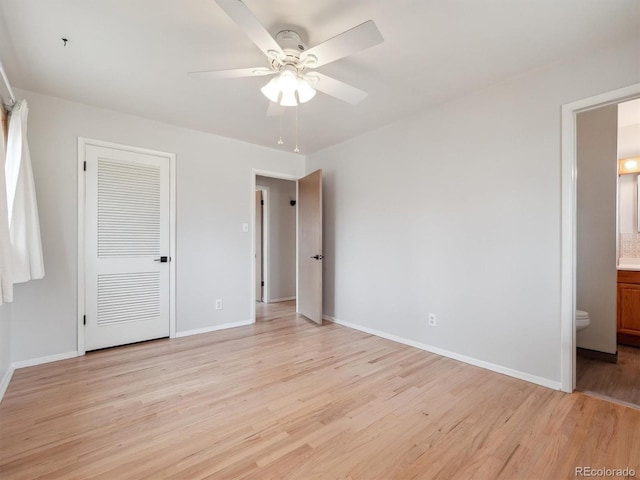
<point x="127" y="245"/>
<point x="310" y="246"/>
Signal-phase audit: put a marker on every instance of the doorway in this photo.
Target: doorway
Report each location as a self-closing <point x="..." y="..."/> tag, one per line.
<point x="292" y="272"/>
<point x="569" y="221"/>
<point x="261" y="241"/>
<point x="608" y="252"/>
<point x="126" y="245"/>
<point x="275" y="239"/>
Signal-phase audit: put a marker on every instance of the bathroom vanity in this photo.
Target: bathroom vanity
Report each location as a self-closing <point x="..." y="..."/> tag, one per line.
<point x="628" y="307"/>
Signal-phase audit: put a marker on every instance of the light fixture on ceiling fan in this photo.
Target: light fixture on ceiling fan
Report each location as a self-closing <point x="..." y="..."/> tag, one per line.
<point x="290" y="60"/>
<point x="288" y="89"/>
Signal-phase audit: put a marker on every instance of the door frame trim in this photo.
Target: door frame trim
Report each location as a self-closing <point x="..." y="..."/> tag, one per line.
<point x="82" y="144"/>
<point x="568" y="224"/>
<point x="272" y="174"/>
<point x="265" y="242"/>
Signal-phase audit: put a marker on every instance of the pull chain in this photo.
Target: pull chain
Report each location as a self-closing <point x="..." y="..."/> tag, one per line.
<point x="280" y="142"/>
<point x="296" y="150"/>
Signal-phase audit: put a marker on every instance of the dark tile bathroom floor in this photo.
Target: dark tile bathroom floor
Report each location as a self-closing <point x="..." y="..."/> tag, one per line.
<point x="616" y="381"/>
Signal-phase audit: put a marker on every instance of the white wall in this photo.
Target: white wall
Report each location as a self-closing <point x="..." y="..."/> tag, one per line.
<point x="214" y="199"/>
<point x="5" y="346"/>
<point x="596" y="276"/>
<point x="282" y="238"/>
<point x="457" y="211"/>
<point x="629" y="141"/>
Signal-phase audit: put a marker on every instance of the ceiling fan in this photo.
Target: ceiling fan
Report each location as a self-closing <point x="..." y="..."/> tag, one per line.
<point x="292" y="63"/>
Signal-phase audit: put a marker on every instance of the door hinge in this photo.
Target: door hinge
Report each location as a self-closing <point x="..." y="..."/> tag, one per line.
<point x="84" y="319"/>
<point x="85" y="166"/>
<point x="262" y="284"/>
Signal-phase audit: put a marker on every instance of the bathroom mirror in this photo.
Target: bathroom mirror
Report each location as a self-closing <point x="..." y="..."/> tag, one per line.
<point x="638" y="204"/>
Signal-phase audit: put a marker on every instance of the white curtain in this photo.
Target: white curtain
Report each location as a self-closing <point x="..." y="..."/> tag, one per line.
<point x="6" y="282"/>
<point x="24" y="225"/>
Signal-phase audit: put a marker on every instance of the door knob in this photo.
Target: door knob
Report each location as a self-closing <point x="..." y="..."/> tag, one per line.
<point x="318" y="257"/>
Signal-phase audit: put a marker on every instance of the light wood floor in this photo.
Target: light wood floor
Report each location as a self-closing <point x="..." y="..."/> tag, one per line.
<point x="285" y="398"/>
<point x="266" y="312"/>
<point x="619" y="381"/>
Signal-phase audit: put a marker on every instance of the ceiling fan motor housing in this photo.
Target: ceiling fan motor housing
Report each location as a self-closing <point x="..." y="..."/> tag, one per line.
<point x="293" y="46"/>
<point x="290" y="40"/>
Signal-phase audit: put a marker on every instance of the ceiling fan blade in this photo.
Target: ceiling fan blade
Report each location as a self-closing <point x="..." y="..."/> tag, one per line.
<point x="235" y="73"/>
<point x="338" y="89"/>
<point x="358" y="38"/>
<point x="275" y="109"/>
<point x="239" y="13"/>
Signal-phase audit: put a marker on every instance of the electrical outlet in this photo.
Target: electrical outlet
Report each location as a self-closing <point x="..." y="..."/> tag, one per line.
<point x="432" y="320"/>
<point x="219" y="304"/>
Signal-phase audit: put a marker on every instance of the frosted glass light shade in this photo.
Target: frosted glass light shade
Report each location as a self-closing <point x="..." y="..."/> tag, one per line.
<point x="289" y="99"/>
<point x="287" y="82"/>
<point x="271" y="90"/>
<point x="305" y="92"/>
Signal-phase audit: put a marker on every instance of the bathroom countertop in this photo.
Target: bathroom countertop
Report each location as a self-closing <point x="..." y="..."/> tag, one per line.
<point x="628" y="263"/>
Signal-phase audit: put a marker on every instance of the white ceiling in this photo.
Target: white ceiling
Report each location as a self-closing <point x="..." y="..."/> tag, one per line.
<point x="132" y="56"/>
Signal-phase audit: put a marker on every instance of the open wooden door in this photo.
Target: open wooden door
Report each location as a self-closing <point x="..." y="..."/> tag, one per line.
<point x="310" y="246"/>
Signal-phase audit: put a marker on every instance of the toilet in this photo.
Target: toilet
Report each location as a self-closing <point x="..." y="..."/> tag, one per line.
<point x="582" y="320"/>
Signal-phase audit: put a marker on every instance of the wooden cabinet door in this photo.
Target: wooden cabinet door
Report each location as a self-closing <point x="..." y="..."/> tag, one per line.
<point x="629" y="309"/>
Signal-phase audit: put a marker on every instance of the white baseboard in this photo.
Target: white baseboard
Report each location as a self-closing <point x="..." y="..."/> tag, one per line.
<point x="285" y="299"/>
<point x="545" y="382"/>
<point x="39" y="361"/>
<point x="214" y="328"/>
<point x="5" y="381"/>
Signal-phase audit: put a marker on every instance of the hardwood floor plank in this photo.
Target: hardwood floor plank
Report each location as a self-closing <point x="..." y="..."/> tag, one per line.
<point x="285" y="398"/>
<point x="619" y="381"/>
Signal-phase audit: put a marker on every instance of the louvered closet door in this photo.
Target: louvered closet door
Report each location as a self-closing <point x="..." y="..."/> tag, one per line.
<point x="127" y="232"/>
